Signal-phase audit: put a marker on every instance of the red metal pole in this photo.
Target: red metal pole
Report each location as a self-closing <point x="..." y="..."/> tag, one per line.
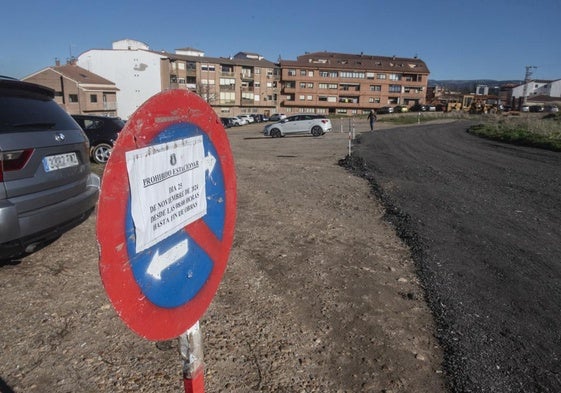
<point x="195" y="384"/>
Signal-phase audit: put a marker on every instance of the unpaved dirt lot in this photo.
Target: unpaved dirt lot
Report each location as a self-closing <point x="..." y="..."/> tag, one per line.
<point x="319" y="294"/>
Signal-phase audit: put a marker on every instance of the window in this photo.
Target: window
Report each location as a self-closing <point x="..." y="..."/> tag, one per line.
<point x="311" y="74"/>
<point x="73" y="97"/>
<point x="208" y="67"/>
<point x="302" y="72"/>
<point x="352" y="74"/>
<point x="302" y="97"/>
<point x="395" y="89"/>
<point x="333" y="86"/>
<point x="227" y="97"/>
<point x="381" y="76"/>
<point x="333" y="74"/>
<point x="369" y="75"/>
<point x="181" y="65"/>
<point x="375" y="100"/>
<point x="302" y="85"/>
<point x="227" y="81"/>
<point x="310" y="85"/>
<point x="309" y="98"/>
<point x="375" y="87"/>
<point x="322" y="85"/>
<point x="93" y="98"/>
<point x="324" y="74"/>
<point x="322" y="98"/>
<point x="395" y="77"/>
<point x="291" y="72"/>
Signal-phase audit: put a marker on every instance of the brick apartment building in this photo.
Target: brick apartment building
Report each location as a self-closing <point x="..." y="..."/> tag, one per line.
<point x="326" y="82"/>
<point x="243" y="84"/>
<point x="77" y="90"/>
<point x="321" y="82"/>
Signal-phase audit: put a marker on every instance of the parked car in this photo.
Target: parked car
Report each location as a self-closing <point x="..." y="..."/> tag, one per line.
<point x="242" y="121"/>
<point x="247" y="118"/>
<point x="277" y="117"/>
<point x="384" y="110"/>
<point x="227" y="122"/>
<point x="257" y="117"/>
<point x="312" y="124"/>
<point x="536" y="108"/>
<point x="418" y="108"/>
<point x="400" y="109"/>
<point x="551" y="108"/>
<point x="102" y="132"/>
<point x="236" y="122"/>
<point x="46" y="184"/>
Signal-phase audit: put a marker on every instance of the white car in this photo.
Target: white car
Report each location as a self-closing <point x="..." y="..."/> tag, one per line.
<point x="241" y="121"/>
<point x="308" y="124"/>
<point x="247" y="118"/>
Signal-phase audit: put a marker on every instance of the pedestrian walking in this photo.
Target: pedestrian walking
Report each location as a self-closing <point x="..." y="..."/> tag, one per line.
<point x="372" y="117"/>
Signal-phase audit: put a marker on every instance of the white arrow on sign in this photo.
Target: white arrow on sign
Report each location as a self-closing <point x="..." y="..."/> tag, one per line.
<point x="210" y="161"/>
<point x="159" y="263"/>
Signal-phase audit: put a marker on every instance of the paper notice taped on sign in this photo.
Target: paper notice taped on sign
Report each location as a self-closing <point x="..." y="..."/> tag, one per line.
<point x="167" y="183"/>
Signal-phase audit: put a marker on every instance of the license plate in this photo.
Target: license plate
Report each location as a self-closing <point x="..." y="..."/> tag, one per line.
<point x="59" y="161"/>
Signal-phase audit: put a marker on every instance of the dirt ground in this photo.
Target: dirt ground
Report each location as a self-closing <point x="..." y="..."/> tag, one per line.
<point x="319" y="295"/>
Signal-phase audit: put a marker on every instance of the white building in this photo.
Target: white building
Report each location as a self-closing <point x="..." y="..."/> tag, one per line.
<point x="538" y="88"/>
<point x="134" y="69"/>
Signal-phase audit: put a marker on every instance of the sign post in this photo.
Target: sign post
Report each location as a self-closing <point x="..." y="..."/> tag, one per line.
<point x="166" y="218"/>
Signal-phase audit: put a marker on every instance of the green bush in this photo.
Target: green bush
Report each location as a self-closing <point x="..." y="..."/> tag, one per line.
<point x="544" y="133"/>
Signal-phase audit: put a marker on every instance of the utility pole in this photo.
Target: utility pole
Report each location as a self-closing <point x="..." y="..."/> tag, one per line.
<point x="527" y="78"/>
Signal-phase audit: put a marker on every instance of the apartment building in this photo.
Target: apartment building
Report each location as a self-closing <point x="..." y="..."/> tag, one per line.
<point x="242" y="84"/>
<point x="245" y="83"/>
<point x="77" y="90"/>
<point x="338" y="83"/>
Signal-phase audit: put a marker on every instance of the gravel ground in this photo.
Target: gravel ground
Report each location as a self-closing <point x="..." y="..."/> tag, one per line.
<point x="320" y="295"/>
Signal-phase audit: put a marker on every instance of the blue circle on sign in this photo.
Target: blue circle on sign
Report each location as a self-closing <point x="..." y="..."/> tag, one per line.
<point x="182" y="280"/>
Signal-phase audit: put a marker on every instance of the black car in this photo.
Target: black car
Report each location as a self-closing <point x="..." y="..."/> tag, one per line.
<point x="227" y="122"/>
<point x="384" y="110"/>
<point x="418" y="108"/>
<point x="46" y="186"/>
<point x="102" y="132"/>
<point x="257" y="118"/>
<point x="536" y="108"/>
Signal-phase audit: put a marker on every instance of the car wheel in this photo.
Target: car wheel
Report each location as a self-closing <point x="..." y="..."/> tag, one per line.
<point x="275" y="133"/>
<point x="317" y="131"/>
<point x="101" y="153"/>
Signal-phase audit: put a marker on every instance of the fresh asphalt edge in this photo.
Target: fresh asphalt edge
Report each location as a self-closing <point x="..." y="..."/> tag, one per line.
<point x="406" y="230"/>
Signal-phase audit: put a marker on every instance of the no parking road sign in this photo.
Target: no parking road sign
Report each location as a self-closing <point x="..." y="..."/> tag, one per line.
<point x="166" y="215"/>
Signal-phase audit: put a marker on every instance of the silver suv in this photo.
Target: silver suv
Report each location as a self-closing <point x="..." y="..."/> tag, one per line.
<point x="309" y="124"/>
<point x="46" y="187"/>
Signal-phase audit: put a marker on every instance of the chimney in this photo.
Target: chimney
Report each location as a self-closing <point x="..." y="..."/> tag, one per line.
<point x="57" y="62"/>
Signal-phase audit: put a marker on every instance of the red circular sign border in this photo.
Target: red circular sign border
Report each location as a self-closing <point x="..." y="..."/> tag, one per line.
<point x="140" y="315"/>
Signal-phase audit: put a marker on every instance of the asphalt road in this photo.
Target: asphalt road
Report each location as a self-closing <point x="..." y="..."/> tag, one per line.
<point x="483" y="220"/>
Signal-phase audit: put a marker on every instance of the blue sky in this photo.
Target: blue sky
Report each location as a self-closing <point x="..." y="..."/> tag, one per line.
<point x="467" y="39"/>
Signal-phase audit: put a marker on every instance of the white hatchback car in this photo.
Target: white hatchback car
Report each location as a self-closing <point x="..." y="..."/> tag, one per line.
<point x="308" y="124"/>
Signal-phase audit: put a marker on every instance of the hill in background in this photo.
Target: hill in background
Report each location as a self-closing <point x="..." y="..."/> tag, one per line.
<point x="469" y="86"/>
